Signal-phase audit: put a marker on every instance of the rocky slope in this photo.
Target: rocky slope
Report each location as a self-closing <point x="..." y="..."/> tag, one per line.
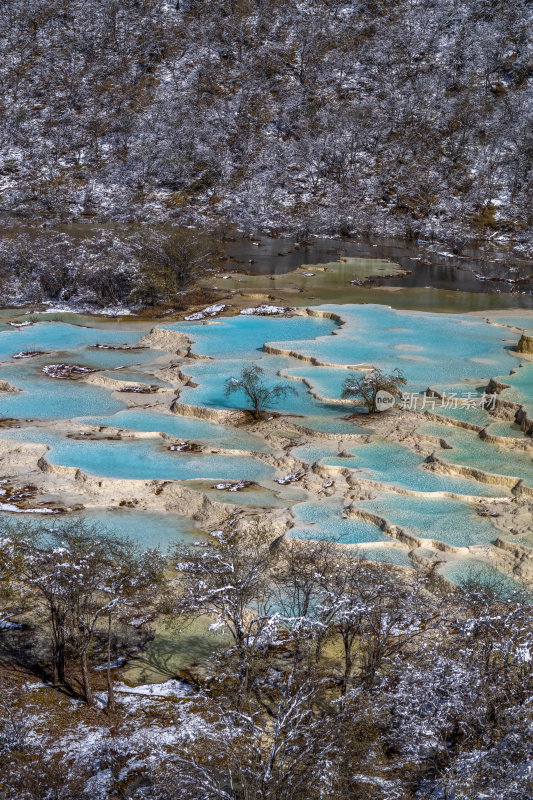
<point x="321" y="115"/>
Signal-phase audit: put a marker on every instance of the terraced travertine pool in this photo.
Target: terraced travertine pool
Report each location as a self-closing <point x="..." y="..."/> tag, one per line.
<point x="325" y="520"/>
<point x="394" y="464"/>
<point x="39" y="397"/>
<point x="447" y="351"/>
<point x="471" y="569"/>
<point x="431" y="349"/>
<point x="441" y="518"/>
<point x="189" y="428"/>
<point x="142" y="459"/>
<point x="451" y="353"/>
<point x="61" y="337"/>
<point x="471" y="451"/>
<point x="165" y="529"/>
<point x="445" y="519"/>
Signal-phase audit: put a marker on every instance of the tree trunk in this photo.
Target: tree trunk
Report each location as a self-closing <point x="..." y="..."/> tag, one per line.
<point x="87" y="688"/>
<point x="347" y="668"/>
<point x="58" y="661"/>
<point x="110" y="694"/>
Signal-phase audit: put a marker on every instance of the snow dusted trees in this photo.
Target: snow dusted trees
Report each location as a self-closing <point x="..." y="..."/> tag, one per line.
<point x="343" y="678"/>
<point x="83" y="580"/>
<point x="364" y="683"/>
<point x="287" y="753"/>
<point x="225" y="580"/>
<point x="104" y="267"/>
<point x="376" y="617"/>
<point x="456" y="708"/>
<point x="48" y="265"/>
<point x="229" y="581"/>
<point x="315" y="115"/>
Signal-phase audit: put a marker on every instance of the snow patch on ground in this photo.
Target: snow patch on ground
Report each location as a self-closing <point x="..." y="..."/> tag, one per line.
<point x="266" y="310"/>
<point x="16" y="510"/>
<point x="209" y="311"/>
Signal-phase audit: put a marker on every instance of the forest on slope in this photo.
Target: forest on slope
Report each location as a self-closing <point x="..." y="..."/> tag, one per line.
<point x="353" y="680"/>
<point x="410" y="117"/>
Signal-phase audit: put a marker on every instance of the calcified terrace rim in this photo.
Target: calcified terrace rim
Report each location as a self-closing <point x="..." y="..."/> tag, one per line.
<point x="233" y="417"/>
<point x="522" y="416"/>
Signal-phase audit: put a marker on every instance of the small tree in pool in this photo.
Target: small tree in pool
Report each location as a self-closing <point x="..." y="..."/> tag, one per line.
<point x="367" y="386"/>
<point x="259" y="395"/>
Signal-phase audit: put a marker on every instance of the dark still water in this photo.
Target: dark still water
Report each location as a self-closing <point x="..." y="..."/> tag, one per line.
<point x="430" y="265"/>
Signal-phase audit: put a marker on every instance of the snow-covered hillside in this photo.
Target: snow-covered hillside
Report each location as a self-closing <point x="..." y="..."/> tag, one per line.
<point x="412" y="117"/>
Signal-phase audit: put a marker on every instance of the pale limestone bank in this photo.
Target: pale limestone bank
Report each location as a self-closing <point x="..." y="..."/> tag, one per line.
<point x="525" y="345"/>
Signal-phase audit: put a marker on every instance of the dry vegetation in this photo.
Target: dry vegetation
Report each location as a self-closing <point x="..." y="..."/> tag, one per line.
<point x="339" y="678"/>
<point x="410" y="118"/>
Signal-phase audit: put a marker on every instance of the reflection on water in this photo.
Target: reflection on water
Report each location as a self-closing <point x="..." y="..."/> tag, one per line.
<point x="171" y="651"/>
<point x="466" y="570"/>
<point x="429" y="265"/>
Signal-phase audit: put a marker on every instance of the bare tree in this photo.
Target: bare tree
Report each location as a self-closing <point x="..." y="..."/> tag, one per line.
<point x="259" y="395"/>
<point x="132" y="584"/>
<point x="83" y="576"/>
<point x="287" y="753"/>
<point x="368" y="386"/>
<point x="377" y="616"/>
<point x="302" y="575"/>
<point x="171" y="259"/>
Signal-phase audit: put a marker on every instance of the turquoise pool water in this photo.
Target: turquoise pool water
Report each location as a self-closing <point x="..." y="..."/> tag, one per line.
<point x="140" y="460"/>
<point x="211" y="376"/>
<point x="59" y="336"/>
<point x="430" y="349"/>
<point x="456" y="353"/>
<point x="473" y="415"/>
<point x="323" y="520"/>
<point x="420" y="344"/>
<point x="524" y="322"/>
<point x="445" y="519"/>
<point x="188" y="428"/>
<point x="389" y="462"/>
<point x="232" y="341"/>
<point x="242" y="336"/>
<point x="326" y="382"/>
<point x="520" y="385"/>
<point x="467" y="569"/>
<point x="469" y="450"/>
<point x="146" y="529"/>
<point x="508" y="429"/>
<point x="41" y="397"/>
<point x="391" y="555"/>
